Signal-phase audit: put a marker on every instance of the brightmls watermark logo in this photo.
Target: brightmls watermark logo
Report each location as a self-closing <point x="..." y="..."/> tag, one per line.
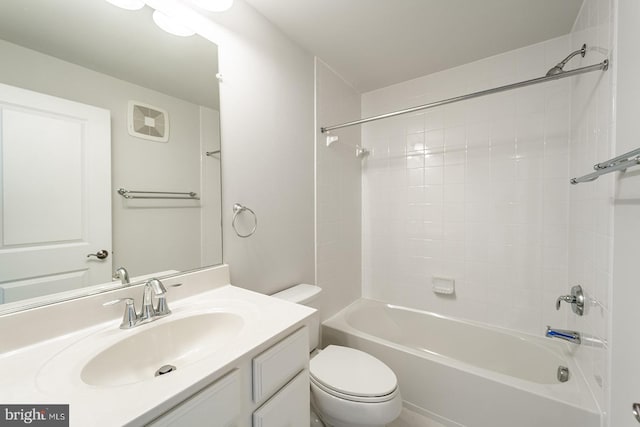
<point x="34" y="415"/>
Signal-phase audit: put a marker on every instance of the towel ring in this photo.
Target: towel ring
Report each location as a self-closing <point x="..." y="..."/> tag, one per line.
<point x="237" y="209"/>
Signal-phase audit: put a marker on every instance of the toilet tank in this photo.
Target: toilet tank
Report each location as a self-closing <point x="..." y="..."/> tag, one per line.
<point x="305" y="294"/>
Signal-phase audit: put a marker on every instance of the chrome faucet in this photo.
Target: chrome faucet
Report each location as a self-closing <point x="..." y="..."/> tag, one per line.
<point x="122" y="274"/>
<point x="563" y="334"/>
<point x="154" y="287"/>
<point x="148" y="312"/>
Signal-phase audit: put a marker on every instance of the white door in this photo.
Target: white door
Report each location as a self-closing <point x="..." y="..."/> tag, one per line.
<point x="55" y="199"/>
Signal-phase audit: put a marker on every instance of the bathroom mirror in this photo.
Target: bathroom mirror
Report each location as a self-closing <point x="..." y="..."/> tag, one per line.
<point x="95" y="99"/>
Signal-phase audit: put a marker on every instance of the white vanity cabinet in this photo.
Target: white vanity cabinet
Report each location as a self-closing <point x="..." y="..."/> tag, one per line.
<point x="281" y="375"/>
<point x="216" y="405"/>
<point x="288" y="407"/>
<point x="267" y="388"/>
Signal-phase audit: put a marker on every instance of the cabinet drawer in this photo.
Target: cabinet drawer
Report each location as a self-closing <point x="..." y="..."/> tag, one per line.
<point x="218" y="405"/>
<point x="276" y="366"/>
<point x="289" y="407"/>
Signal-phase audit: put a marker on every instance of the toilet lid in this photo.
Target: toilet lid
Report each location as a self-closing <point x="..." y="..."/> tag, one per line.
<point x="352" y="372"/>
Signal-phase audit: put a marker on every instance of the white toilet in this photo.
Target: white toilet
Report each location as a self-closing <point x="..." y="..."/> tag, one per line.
<point x="349" y="388"/>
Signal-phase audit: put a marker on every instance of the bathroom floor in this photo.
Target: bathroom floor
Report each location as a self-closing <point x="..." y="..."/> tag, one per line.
<point x="409" y="418"/>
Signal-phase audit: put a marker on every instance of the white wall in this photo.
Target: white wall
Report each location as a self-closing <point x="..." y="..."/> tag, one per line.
<point x="475" y="191"/>
<point x="625" y="290"/>
<point x="338" y="194"/>
<point x="211" y="187"/>
<point x="140" y="227"/>
<point x="267" y="108"/>
<point x="590" y="209"/>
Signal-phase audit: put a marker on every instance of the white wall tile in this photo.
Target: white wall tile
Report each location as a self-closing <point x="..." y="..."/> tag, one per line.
<point x="590" y="229"/>
<point x="487" y="203"/>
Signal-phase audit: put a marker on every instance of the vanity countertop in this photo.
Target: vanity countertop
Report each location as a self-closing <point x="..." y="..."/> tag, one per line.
<point x="49" y="371"/>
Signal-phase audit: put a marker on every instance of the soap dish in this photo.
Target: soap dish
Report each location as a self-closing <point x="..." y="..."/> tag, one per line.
<point x="443" y="285"/>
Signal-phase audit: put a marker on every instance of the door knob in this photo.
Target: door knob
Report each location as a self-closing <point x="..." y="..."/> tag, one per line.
<point x="101" y="254"/>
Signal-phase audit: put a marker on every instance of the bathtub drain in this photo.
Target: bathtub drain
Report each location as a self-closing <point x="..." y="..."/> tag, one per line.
<point x="563" y="374"/>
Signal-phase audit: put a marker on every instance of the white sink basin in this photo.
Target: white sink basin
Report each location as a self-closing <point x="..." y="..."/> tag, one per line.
<point x="107" y="374"/>
<point x="149" y="347"/>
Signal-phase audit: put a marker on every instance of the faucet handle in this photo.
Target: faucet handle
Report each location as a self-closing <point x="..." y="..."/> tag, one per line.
<point x="566" y="298"/>
<point x="162" y="309"/>
<point x="576" y="299"/>
<point x="130" y="317"/>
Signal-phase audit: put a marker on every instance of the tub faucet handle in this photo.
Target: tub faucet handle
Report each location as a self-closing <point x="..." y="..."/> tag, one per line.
<point x="576" y="299"/>
<point x="566" y="298"/>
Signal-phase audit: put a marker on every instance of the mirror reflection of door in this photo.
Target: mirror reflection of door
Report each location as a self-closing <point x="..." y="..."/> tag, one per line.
<point x="94" y="53"/>
<point x="54" y="193"/>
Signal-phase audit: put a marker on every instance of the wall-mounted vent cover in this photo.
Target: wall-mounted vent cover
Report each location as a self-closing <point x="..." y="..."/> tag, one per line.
<point x="148" y="122"/>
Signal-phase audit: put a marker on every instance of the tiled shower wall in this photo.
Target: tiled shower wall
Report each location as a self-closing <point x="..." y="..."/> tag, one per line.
<point x="591" y="208"/>
<point x="475" y="191"/>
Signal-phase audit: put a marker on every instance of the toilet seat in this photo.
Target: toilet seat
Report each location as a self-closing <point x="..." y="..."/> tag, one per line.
<point x="355" y="398"/>
<point x="353" y="375"/>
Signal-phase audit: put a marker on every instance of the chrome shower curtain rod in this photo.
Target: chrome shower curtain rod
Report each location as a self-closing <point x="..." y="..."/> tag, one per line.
<point x="604" y="65"/>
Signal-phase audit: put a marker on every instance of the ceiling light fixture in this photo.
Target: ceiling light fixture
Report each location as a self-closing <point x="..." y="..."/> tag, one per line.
<point x="128" y="4"/>
<point x="171" y="25"/>
<point x="213" y="5"/>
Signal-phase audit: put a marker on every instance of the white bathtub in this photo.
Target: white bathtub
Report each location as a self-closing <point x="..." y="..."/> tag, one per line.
<point x="467" y="374"/>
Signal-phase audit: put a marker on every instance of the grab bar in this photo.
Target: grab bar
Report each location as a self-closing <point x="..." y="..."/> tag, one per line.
<point x="618" y="163"/>
<point x="129" y="194"/>
<point x="615" y="160"/>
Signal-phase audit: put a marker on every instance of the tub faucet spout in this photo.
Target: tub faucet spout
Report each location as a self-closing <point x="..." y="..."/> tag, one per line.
<point x="563" y="334"/>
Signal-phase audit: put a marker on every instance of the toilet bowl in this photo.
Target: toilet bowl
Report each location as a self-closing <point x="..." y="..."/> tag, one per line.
<point x="349" y="388"/>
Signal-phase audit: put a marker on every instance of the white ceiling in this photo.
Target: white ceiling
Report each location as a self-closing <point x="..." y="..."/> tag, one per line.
<point x="376" y="43"/>
<point x="121" y="43"/>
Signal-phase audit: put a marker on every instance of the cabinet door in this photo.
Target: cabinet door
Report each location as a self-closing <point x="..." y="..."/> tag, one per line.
<point x="279" y="364"/>
<point x="287" y="408"/>
<point x="218" y="405"/>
